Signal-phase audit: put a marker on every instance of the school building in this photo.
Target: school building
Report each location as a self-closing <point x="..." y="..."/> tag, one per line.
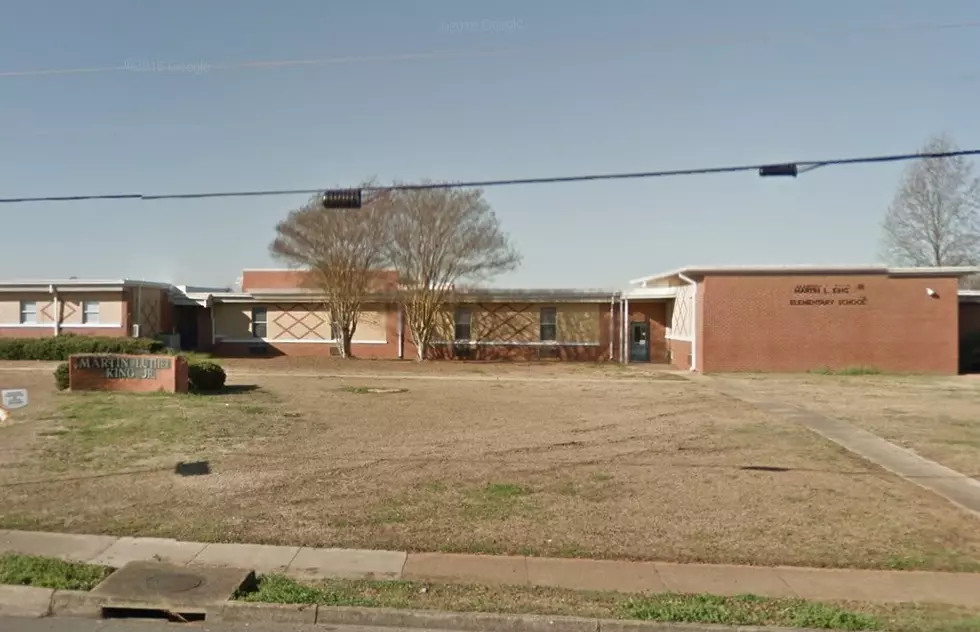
<point x="707" y="319"/>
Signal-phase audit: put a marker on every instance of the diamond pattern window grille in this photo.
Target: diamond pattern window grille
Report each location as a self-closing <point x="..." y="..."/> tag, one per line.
<point x="298" y="322"/>
<point x="683" y="310"/>
<point x="149" y="318"/>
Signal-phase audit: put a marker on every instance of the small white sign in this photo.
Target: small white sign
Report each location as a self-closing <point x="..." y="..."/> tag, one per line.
<point x="13" y="398"/>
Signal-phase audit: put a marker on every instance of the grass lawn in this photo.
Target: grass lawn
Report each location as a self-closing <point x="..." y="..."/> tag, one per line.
<point x="673" y="608"/>
<point x="46" y="572"/>
<point x="935" y="417"/>
<point x="650" y="468"/>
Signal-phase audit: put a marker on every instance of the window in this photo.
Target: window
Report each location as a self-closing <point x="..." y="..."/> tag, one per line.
<point x="90" y="312"/>
<point x="260" y="321"/>
<point x="549" y="324"/>
<point x="28" y="312"/>
<point x="462" y="321"/>
<point x="334" y="330"/>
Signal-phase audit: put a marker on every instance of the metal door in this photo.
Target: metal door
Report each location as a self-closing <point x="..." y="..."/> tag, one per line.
<point x="639" y="342"/>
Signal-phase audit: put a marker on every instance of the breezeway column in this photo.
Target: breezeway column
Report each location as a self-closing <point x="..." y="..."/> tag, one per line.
<point x="626" y="319"/>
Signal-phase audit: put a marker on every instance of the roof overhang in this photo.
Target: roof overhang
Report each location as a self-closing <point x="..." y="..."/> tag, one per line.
<point x="699" y="272"/>
<point x="77" y="285"/>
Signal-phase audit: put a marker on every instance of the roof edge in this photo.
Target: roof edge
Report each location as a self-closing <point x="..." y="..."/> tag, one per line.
<point x="763" y="270"/>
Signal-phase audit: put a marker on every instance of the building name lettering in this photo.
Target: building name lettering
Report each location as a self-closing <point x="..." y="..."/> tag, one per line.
<point x="827" y="295"/>
<point x="116" y="368"/>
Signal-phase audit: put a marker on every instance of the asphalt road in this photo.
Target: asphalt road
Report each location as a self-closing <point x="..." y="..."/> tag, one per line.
<point x="54" y="624"/>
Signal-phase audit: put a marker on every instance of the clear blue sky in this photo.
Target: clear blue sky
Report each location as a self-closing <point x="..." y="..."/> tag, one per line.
<point x="624" y="85"/>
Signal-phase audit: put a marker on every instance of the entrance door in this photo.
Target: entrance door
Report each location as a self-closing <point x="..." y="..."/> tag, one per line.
<point x="639" y="342"/>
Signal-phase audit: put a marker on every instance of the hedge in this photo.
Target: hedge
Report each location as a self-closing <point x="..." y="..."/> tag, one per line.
<point x="205" y="377"/>
<point x="55" y="348"/>
<point x="61" y="377"/>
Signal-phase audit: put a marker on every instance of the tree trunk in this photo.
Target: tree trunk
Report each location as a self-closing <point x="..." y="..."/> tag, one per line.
<point x="345" y="351"/>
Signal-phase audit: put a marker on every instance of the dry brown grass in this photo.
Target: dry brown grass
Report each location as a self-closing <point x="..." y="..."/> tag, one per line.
<point x="937" y="417"/>
<point x="642" y="469"/>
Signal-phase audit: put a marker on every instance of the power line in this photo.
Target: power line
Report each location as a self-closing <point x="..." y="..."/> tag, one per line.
<point x="201" y="67"/>
<point x="767" y="169"/>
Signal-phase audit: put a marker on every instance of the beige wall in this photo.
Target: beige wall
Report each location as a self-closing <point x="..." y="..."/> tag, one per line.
<point x="111" y="307"/>
<point x="517" y="323"/>
<point x="295" y="322"/>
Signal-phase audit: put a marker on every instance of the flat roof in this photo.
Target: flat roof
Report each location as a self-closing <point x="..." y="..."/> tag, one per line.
<point x="78" y="282"/>
<point x="763" y="270"/>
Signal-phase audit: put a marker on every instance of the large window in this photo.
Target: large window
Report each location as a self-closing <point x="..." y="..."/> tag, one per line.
<point x="90" y="312"/>
<point x="260" y="322"/>
<point x="462" y="322"/>
<point x="28" y="312"/>
<point x="549" y="324"/>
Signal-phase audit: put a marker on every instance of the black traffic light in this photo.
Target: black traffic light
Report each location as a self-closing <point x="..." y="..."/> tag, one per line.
<point x="342" y="198"/>
<point x="789" y="169"/>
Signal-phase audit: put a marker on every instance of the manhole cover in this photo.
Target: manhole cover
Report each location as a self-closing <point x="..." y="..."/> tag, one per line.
<point x="173" y="582"/>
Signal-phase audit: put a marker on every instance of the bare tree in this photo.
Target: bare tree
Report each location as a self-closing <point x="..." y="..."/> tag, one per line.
<point x="343" y="249"/>
<point x="439" y="239"/>
<point x="934" y="219"/>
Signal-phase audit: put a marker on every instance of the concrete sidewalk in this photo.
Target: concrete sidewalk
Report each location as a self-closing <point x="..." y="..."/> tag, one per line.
<point x="961" y="589"/>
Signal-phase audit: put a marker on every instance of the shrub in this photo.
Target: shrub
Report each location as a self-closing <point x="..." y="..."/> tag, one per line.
<point x="54" y="348"/>
<point x="61" y="376"/>
<point x="205" y="377"/>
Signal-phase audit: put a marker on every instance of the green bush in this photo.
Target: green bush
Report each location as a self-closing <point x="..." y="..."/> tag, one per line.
<point x="61" y="376"/>
<point x="205" y="376"/>
<point x="54" y="348"/>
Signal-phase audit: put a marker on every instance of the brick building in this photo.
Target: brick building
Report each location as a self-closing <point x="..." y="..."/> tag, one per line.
<point x="709" y="319"/>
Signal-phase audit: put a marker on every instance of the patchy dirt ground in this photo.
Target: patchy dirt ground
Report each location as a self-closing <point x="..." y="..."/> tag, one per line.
<point x="651" y="468"/>
<point x="936" y="417"/>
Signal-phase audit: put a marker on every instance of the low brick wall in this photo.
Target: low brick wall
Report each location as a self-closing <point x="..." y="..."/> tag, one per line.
<point x="127" y="373"/>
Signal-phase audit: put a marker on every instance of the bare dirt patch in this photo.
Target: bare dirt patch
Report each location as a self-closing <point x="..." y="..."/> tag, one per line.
<point x="936" y="417"/>
<point x="640" y="469"/>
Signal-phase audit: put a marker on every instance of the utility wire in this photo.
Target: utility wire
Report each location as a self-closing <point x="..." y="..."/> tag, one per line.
<point x="205" y="67"/>
<point x="797" y="167"/>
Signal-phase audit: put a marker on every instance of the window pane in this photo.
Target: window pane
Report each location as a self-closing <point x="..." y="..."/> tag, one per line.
<point x="462" y="320"/>
<point x="90" y="312"/>
<point x="549" y="324"/>
<point x="259" y="319"/>
<point x="28" y="312"/>
<point x="334" y="331"/>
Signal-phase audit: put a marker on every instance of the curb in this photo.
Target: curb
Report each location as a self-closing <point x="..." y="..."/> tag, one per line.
<point x="24" y="601"/>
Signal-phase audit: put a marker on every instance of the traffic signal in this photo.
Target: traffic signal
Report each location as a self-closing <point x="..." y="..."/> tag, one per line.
<point x="342" y="198"/>
<point x="789" y="169"/>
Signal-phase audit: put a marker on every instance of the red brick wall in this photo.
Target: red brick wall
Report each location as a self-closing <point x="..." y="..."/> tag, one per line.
<point x="748" y="324"/>
<point x="171" y="380"/>
<point x="299" y="279"/>
<point x="679" y="350"/>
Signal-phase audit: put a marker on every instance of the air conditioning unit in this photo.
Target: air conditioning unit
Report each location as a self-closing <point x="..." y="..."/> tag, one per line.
<point x="135" y="331"/>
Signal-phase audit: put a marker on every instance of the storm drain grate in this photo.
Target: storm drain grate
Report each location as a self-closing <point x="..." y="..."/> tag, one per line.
<point x="153" y="614"/>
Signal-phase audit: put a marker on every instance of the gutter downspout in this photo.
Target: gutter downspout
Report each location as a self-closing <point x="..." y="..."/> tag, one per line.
<point x="612" y="324"/>
<point x="57" y="309"/>
<point x="139" y="311"/>
<point x="694" y="321"/>
<point x="210" y="304"/>
<point x="401" y="333"/>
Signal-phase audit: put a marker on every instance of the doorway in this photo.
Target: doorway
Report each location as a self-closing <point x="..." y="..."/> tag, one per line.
<point x="639" y="342"/>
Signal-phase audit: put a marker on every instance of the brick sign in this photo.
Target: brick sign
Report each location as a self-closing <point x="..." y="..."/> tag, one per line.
<point x="134" y="373"/>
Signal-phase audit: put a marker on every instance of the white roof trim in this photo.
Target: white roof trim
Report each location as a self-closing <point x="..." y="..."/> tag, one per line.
<point x="810" y="269"/>
<point x="650" y="292"/>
